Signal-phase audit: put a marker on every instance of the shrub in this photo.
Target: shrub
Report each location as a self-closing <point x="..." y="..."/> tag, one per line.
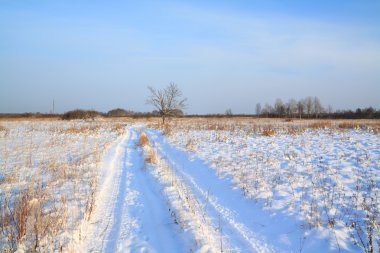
<point x="81" y="114"/>
<point x="269" y="130"/>
<point x="143" y="139"/>
<point x="119" y="113"/>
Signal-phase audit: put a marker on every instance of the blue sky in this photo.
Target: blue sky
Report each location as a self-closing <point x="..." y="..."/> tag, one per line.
<point x="223" y="54"/>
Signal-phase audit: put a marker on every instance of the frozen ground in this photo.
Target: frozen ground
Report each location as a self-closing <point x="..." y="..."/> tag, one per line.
<point x="132" y="215"/>
<point x="320" y="184"/>
<point x="216" y="187"/>
<point x="48" y="178"/>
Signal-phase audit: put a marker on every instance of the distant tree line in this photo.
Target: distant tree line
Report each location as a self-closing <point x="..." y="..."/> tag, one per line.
<point x="311" y="107"/>
<point x="118" y="112"/>
<point x="83" y="114"/>
<point x="359" y="113"/>
<point x="30" y="115"/>
<point x="307" y="108"/>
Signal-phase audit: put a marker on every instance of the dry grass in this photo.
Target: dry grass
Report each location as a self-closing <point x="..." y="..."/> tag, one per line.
<point x="82" y="129"/>
<point x="294" y="130"/>
<point x="268" y="130"/>
<point x="3" y="131"/>
<point x="350" y="125"/>
<point x="189" y="145"/>
<point x="35" y="214"/>
<point x="26" y="220"/>
<point x="218" y="126"/>
<point x="151" y="157"/>
<point x="119" y="128"/>
<point x="143" y="141"/>
<point x="167" y="130"/>
<point x="323" y="124"/>
<point x="34" y="119"/>
<point x="150" y="154"/>
<point x="266" y="126"/>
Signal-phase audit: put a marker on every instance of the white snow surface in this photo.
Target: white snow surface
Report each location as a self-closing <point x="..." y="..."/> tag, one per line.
<point x="211" y="190"/>
<point x="131" y="215"/>
<point x="317" y="191"/>
<point x="53" y="166"/>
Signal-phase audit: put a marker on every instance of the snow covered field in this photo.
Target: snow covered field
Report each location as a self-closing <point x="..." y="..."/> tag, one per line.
<point x="48" y="177"/>
<point x="315" y="184"/>
<point x="201" y="185"/>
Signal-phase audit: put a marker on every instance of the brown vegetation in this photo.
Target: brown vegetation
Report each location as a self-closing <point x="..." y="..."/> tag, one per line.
<point x="81" y="114"/>
<point x="82" y="129"/>
<point x="151" y="157"/>
<point x="34" y="205"/>
<point x="350" y="125"/>
<point x="143" y="139"/>
<point x="268" y="130"/>
<point x="322" y="124"/>
<point x="150" y="154"/>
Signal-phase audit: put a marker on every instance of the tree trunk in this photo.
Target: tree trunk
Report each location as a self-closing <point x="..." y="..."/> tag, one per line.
<point x="163" y="120"/>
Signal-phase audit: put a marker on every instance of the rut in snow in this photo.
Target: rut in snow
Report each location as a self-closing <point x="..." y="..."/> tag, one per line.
<point x="139" y="210"/>
<point x="135" y="205"/>
<point x="130" y="215"/>
<point x="228" y="209"/>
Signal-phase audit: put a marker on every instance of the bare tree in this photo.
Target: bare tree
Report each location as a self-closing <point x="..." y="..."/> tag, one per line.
<point x="300" y="108"/>
<point x="291" y="107"/>
<point x="309" y="105"/>
<point x="279" y="107"/>
<point x="318" y="109"/>
<point x="268" y="109"/>
<point x="167" y="101"/>
<point x="229" y="112"/>
<point x="258" y="109"/>
<point x="330" y="110"/>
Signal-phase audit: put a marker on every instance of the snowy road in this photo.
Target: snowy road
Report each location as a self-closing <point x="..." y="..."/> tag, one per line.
<point x="227" y="208"/>
<point x="178" y="204"/>
<point x="130" y="215"/>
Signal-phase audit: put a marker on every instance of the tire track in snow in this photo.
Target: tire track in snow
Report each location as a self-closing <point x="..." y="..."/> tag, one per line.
<point x="130" y="214"/>
<point x="222" y="202"/>
<point x="121" y="222"/>
<point x="155" y="230"/>
<point x="92" y="234"/>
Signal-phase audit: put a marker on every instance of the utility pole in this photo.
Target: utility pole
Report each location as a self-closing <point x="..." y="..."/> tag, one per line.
<point x="53" y="106"/>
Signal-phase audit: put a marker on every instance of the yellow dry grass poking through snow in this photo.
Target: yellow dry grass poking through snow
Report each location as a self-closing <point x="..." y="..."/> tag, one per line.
<point x="48" y="180"/>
